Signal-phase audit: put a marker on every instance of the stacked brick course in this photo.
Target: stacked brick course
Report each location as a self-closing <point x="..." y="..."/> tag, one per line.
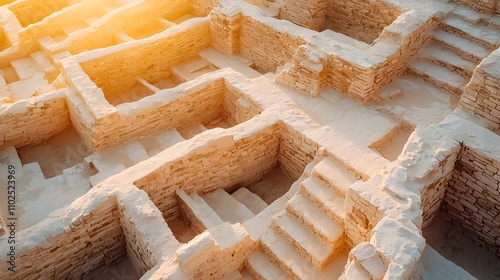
<point x="472" y="198"/>
<point x="309" y="14"/>
<point x="482" y="95"/>
<point x="355" y="18"/>
<point x="222" y="162"/>
<point x="267" y="47"/>
<point x="96" y="238"/>
<point x="31" y="11"/>
<point x="33" y="121"/>
<point x="219" y="252"/>
<point x="147" y="60"/>
<point x="483" y="6"/>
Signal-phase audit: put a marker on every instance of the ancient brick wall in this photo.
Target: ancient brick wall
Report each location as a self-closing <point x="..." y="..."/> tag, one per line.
<point x="309" y="14"/>
<point x="296" y="151"/>
<point x="32" y="11"/>
<point x="103" y="34"/>
<point x="408" y="44"/>
<point x="472" y="198"/>
<point x="349" y="71"/>
<point x="112" y="73"/>
<point x="435" y="188"/>
<point x="216" y="252"/>
<point x="268" y="47"/>
<point x="227" y="162"/>
<point x="237" y="107"/>
<point x="133" y="124"/>
<point x="483" y="6"/>
<point x="225" y="30"/>
<point x="202" y="8"/>
<point x="482" y="95"/>
<point x="52" y="25"/>
<point x="363" y="20"/>
<point x="89" y="245"/>
<point x="33" y="121"/>
<point x="136" y="244"/>
<point x="418" y="179"/>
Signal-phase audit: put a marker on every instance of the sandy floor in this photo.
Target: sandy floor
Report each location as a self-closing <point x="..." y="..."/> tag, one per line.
<point x="123" y="270"/>
<point x="181" y="230"/>
<point x="391" y="146"/>
<point x="59" y="152"/>
<point x="455" y="246"/>
<point x="273" y="186"/>
<point x="219" y="122"/>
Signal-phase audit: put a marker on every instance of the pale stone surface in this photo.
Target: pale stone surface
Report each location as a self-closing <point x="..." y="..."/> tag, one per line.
<point x="186" y="111"/>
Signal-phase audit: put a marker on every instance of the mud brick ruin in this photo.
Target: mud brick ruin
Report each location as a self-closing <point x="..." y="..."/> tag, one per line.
<point x="229" y="139"/>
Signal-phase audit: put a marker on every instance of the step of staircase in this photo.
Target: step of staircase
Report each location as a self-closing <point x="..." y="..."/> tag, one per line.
<point x="334" y="175"/>
<point x="325" y="198"/>
<point x="261" y="267"/>
<point x="467" y="14"/>
<point x="191" y="69"/>
<point x="463" y="47"/>
<point x="4" y="88"/>
<point x="448" y="59"/>
<point x="235" y="275"/>
<point x="227" y="207"/>
<point x="438" y="76"/>
<point x="156" y="143"/>
<point x="44" y="63"/>
<point x="495" y="21"/>
<point x="105" y="171"/>
<point x="200" y="214"/>
<point x="326" y="228"/>
<point x="237" y="62"/>
<point x="135" y="152"/>
<point x="483" y="35"/>
<point x="288" y="259"/>
<point x="192" y="130"/>
<point x="25" y="68"/>
<point x="33" y="171"/>
<point x="304" y="240"/>
<point x="250" y="200"/>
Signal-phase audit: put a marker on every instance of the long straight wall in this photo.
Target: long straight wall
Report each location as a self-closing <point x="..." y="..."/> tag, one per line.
<point x="225" y="163"/>
<point x="363" y="20"/>
<point x="115" y="73"/>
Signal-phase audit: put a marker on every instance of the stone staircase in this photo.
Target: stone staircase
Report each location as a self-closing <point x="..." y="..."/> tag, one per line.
<point x="212" y="209"/>
<point x="464" y="38"/>
<point x="303" y="239"/>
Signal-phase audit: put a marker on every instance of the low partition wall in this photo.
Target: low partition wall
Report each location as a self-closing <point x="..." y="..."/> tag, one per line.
<point x="238" y="156"/>
<point x="33" y="120"/>
<point x="102" y="33"/>
<point x="312" y="60"/>
<point x="85" y="238"/>
<point x="199" y="101"/>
